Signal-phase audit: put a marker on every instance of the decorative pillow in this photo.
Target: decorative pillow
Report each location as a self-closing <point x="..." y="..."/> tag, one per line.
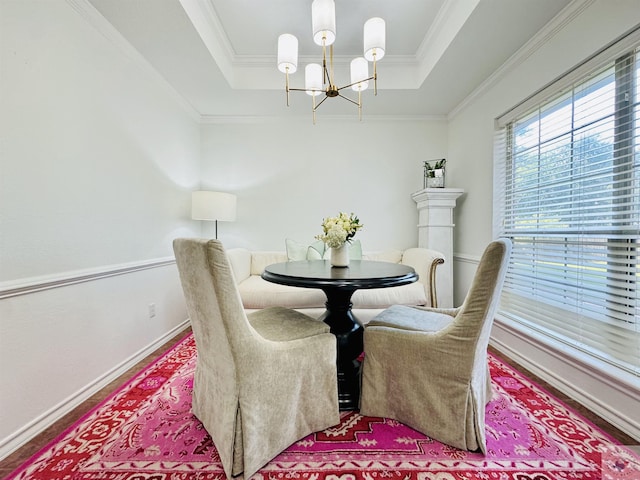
<point x="300" y="251"/>
<point x="317" y="252"/>
<point x="355" y="250"/>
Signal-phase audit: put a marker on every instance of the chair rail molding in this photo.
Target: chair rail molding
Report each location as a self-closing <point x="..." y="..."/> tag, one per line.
<point x="37" y="284"/>
<point x="435" y="231"/>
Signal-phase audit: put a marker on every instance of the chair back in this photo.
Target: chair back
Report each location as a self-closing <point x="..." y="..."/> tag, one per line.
<point x="475" y="318"/>
<point x="218" y="319"/>
<point x="219" y="326"/>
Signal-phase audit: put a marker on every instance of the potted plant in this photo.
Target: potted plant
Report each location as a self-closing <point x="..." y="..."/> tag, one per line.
<point x="434" y="173"/>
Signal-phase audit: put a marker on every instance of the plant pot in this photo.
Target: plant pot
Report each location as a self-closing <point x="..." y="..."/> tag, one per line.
<point x="437" y="180"/>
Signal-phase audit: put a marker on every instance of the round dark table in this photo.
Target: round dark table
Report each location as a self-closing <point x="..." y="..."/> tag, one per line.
<point x="339" y="284"/>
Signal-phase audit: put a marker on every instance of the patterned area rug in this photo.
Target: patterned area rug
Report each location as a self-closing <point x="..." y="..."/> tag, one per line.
<point x="146" y="431"/>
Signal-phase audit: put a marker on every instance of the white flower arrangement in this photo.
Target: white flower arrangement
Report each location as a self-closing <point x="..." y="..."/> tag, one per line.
<point x="339" y="230"/>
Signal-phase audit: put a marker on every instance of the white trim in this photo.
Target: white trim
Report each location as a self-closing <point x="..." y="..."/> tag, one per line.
<point x="600" y="59"/>
<point x="37" y="284"/>
<point x="560" y="21"/>
<point x="464" y="258"/>
<point x="439" y="225"/>
<point x="446" y="25"/>
<point x="347" y="118"/>
<point x="20" y="437"/>
<point x="205" y="20"/>
<point x="544" y="358"/>
<point x="94" y="18"/>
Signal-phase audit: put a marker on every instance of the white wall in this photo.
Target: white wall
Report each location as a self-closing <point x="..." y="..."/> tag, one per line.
<point x="289" y="174"/>
<point x="98" y="159"/>
<point x="591" y="26"/>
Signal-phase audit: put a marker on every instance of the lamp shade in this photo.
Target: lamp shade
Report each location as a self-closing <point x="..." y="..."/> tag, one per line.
<point x="213" y="206"/>
<point x="359" y="73"/>
<point x="323" y="21"/>
<point x="313" y="79"/>
<point x="287" y="53"/>
<point x="374" y="39"/>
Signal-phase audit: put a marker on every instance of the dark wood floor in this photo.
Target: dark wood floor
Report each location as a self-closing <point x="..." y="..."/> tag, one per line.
<point x="16" y="459"/>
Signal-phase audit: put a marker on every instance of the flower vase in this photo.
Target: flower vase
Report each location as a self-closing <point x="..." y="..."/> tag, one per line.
<point x="340" y="256"/>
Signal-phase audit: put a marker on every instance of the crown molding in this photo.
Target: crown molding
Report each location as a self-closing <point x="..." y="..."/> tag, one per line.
<point x="93" y="17"/>
<point x="550" y="30"/>
<point x="262" y="119"/>
<point x="207" y="23"/>
<point x="448" y="22"/>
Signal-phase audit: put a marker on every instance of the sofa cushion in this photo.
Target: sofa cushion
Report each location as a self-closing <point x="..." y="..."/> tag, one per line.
<point x="412" y="294"/>
<point x="258" y="293"/>
<point x="393" y="256"/>
<point x="240" y="260"/>
<point x="259" y="260"/>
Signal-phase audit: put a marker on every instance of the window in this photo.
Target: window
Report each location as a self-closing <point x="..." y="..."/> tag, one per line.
<point x="567" y="177"/>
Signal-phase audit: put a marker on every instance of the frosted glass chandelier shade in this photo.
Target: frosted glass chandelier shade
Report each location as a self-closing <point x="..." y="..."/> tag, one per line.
<point x="313" y="79"/>
<point x="287" y="53"/>
<point x="359" y="74"/>
<point x="323" y="21"/>
<point x="374" y="39"/>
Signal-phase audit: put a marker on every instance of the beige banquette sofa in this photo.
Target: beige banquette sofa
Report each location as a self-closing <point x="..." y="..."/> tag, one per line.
<point x="257" y="293"/>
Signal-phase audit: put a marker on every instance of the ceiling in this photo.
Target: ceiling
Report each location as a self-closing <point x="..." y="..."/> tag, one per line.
<point x="220" y="55"/>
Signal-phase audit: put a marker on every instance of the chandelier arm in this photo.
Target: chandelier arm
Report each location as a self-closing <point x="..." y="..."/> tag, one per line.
<point x="355" y="83"/>
<point x="347" y="98"/>
<point x="325" y="72"/>
<point x="321" y="102"/>
<point x="307" y="90"/>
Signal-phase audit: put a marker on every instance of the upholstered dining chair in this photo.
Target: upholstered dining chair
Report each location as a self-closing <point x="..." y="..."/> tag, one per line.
<point x="427" y="367"/>
<point x="262" y="381"/>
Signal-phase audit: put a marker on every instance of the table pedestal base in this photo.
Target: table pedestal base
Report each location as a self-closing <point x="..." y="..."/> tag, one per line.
<point x="339" y="284"/>
<point x="349" y="333"/>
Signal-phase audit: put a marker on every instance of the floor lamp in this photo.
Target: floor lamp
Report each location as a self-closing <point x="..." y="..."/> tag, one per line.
<point x="213" y="206"/>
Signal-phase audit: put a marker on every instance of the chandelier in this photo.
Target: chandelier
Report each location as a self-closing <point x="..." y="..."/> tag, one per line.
<point x="319" y="79"/>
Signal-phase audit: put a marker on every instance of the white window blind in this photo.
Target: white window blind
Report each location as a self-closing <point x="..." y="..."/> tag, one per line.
<point x="567" y="192"/>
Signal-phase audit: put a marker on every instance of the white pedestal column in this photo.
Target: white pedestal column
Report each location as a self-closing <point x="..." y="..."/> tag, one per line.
<point x="435" y="231"/>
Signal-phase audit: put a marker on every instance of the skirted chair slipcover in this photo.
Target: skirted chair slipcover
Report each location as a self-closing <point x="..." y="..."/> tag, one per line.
<point x="427" y="367"/>
<point x="262" y="381"/>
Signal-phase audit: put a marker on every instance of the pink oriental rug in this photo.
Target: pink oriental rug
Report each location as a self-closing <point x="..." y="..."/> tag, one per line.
<point x="145" y="431"/>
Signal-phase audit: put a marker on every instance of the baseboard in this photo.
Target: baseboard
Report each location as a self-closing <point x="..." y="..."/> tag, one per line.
<point x="14" y="441"/>
<point x="610" y="396"/>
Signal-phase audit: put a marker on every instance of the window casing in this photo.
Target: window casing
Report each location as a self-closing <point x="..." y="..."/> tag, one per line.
<point x="567" y="183"/>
